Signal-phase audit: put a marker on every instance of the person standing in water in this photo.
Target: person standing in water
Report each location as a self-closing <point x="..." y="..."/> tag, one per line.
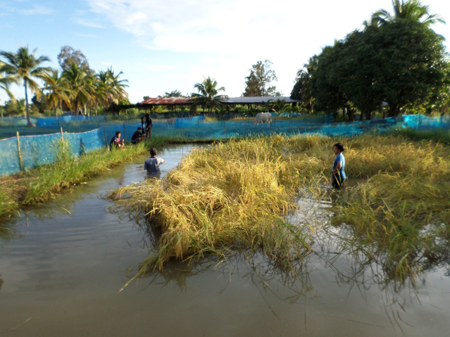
<point x="151" y="165"/>
<point x="338" y="174"/>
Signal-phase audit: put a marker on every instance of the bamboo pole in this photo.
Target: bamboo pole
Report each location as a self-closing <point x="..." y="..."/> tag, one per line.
<point x="124" y="132"/>
<point x="62" y="134"/>
<point x="106" y="137"/>
<point x="20" y="154"/>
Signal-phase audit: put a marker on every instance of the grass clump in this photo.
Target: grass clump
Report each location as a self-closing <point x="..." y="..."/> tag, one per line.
<point x="45" y="182"/>
<point x="236" y="195"/>
<point x="232" y="196"/>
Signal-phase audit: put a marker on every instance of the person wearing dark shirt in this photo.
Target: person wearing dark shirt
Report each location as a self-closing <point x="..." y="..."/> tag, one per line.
<point x="116" y="141"/>
<point x="137" y="136"/>
<point x="148" y="125"/>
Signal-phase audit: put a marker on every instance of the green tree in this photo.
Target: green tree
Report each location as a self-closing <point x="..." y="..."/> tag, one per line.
<point x="5" y="81"/>
<point x="69" y="56"/>
<point x="412" y="10"/>
<point x="80" y="87"/>
<point x="302" y="89"/>
<point x="259" y="81"/>
<point x="111" y="88"/>
<point x="173" y="93"/>
<point x="25" y="66"/>
<point x="208" y="94"/>
<point x="16" y="107"/>
<point x="57" y="90"/>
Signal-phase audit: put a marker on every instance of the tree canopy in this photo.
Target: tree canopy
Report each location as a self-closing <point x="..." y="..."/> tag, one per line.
<point x="259" y="81"/>
<point x="399" y="60"/>
<point x="69" y="56"/>
<point x="207" y="94"/>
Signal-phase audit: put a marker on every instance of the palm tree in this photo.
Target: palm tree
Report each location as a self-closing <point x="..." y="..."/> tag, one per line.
<point x="409" y="10"/>
<point x="111" y="88"/>
<point x="57" y="90"/>
<point x="17" y="107"/>
<point x="5" y="81"/>
<point x="207" y="95"/>
<point x="79" y="85"/>
<point x="24" y="65"/>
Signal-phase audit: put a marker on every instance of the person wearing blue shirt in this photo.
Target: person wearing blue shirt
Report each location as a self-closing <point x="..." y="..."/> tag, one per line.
<point x="338" y="174"/>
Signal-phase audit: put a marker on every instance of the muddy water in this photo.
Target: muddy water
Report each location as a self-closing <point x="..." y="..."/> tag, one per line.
<point x="60" y="274"/>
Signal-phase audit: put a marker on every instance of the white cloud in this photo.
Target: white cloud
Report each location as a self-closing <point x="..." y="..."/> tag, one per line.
<point x="229" y="36"/>
<point x="38" y="10"/>
<point x="87" y="23"/>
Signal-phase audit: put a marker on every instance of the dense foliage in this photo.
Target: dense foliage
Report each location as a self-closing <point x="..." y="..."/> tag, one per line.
<point x="259" y="82"/>
<point x="75" y="88"/>
<point x="396" y="59"/>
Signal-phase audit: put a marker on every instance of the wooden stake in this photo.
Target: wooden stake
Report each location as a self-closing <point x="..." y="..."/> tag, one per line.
<point x="62" y="134"/>
<point x="20" y="154"/>
<point x="124" y="132"/>
<point x="106" y="137"/>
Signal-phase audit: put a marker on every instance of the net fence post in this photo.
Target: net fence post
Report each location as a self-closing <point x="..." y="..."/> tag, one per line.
<point x="106" y="137"/>
<point x="62" y="134"/>
<point x="19" y="152"/>
<point x="124" y="132"/>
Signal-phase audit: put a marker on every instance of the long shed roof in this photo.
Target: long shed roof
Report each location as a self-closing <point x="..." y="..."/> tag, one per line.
<point x="257" y="100"/>
<point x="229" y="100"/>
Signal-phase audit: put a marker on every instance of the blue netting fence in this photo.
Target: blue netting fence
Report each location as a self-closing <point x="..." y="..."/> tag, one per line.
<point x="39" y="150"/>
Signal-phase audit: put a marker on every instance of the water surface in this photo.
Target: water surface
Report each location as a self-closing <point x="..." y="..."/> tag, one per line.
<point x="61" y="272"/>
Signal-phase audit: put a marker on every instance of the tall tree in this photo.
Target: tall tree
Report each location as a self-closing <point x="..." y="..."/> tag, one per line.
<point x="69" y="56"/>
<point x="25" y="66"/>
<point x="412" y="10"/>
<point x="208" y="94"/>
<point x="302" y="89"/>
<point x="5" y="81"/>
<point x="79" y="85"/>
<point x="259" y="81"/>
<point x="56" y="89"/>
<point x="111" y="89"/>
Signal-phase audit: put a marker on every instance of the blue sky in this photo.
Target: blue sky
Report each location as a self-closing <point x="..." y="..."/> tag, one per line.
<point x="166" y="45"/>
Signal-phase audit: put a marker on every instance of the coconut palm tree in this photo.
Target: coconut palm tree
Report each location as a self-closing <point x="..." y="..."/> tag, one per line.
<point x="16" y="107"/>
<point x="79" y="85"/>
<point x="24" y="65"/>
<point x="5" y="81"/>
<point x="409" y="10"/>
<point x="111" y="88"/>
<point x="57" y="90"/>
<point x="207" y="95"/>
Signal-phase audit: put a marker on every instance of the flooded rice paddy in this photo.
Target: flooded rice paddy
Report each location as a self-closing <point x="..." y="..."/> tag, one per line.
<point x="62" y="268"/>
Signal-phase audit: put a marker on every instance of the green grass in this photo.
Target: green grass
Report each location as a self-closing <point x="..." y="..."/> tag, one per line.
<point x="235" y="197"/>
<point x="46" y="182"/>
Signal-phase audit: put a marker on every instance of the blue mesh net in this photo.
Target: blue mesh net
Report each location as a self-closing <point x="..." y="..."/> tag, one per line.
<point x="39" y="150"/>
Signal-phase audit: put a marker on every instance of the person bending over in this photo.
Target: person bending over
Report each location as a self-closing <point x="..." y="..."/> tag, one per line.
<point x="116" y="142"/>
<point x="137" y="136"/>
<point x="151" y="165"/>
<point x="338" y="174"/>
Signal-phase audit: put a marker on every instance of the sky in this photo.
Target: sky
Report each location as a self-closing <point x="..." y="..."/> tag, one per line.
<point x="163" y="45"/>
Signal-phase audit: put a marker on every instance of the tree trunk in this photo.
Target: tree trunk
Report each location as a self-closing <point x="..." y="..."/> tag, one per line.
<point x="343" y="114"/>
<point x="351" y="114"/>
<point x="393" y="110"/>
<point x="56" y="111"/>
<point x="26" y="103"/>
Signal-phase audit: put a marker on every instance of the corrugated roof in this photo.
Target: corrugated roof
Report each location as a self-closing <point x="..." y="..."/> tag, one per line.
<point x="257" y="100"/>
<point x="230" y="100"/>
<point x="167" y="101"/>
